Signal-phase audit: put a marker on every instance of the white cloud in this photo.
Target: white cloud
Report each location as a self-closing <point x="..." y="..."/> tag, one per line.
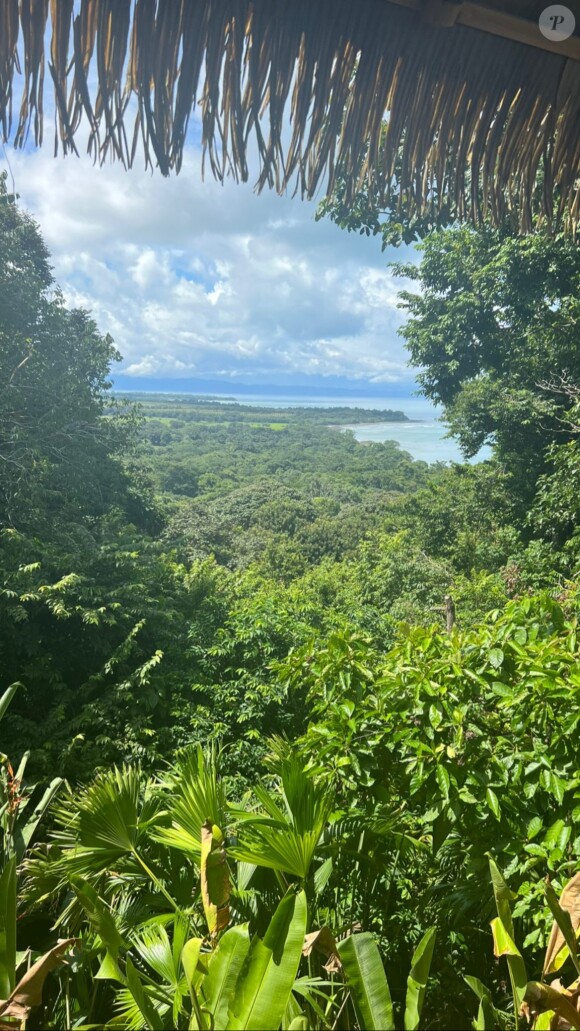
<point x="195" y="278"/>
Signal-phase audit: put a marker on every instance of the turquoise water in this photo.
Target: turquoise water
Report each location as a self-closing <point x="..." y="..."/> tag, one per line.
<point x="423" y="439"/>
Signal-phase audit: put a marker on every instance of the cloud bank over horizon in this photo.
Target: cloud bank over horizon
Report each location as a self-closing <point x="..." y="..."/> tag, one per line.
<point x="195" y="280"/>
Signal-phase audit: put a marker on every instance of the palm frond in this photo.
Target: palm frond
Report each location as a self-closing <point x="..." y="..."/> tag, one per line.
<point x="129" y="1015"/>
<point x="103" y="823"/>
<point x="285" y="851"/>
<point x="154" y="948"/>
<point x="287" y="837"/>
<point x="195" y="795"/>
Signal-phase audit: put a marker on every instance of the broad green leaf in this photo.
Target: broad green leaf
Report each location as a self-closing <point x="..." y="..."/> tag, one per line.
<point x="181" y="929"/>
<point x="504" y="945"/>
<point x="435" y="716"/>
<point x="417" y="980"/>
<point x="110" y="970"/>
<point x="543" y="1021"/>
<point x="558" y="835"/>
<point x="367" y="982"/>
<point x="190" y="958"/>
<point x="322" y="875"/>
<point x="7" y="697"/>
<point x="224" y="968"/>
<point x="266" y="980"/>
<point x="486" y="1018"/>
<point x="496" y="657"/>
<point x="534" y="827"/>
<point x="443" y="781"/>
<point x="486" y="1015"/>
<point x="503" y="896"/>
<point x="493" y="803"/>
<point x="516" y="965"/>
<point x="299" y="1024"/>
<point x="557" y="787"/>
<point x="478" y="987"/>
<point x="8" y="927"/>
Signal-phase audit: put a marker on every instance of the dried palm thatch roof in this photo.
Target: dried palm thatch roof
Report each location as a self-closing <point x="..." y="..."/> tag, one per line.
<point x="482" y="113"/>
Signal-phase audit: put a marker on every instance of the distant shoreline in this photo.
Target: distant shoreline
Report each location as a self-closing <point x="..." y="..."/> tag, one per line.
<point x="348" y="415"/>
<point x="375" y="422"/>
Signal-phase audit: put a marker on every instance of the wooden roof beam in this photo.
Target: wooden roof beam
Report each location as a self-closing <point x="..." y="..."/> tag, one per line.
<point x="495" y="23"/>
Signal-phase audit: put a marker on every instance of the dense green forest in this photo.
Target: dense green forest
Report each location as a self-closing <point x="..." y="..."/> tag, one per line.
<point x="253" y="777"/>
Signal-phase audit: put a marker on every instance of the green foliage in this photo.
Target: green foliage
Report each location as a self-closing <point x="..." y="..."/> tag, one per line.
<point x="366" y="980"/>
<point x="122" y="870"/>
<point x="286" y="774"/>
<point x="464" y="741"/>
<point x="396" y="224"/>
<point x="17" y="828"/>
<point x="417" y="980"/>
<point x="555" y="515"/>
<point x="60" y="457"/>
<point x="494" y="331"/>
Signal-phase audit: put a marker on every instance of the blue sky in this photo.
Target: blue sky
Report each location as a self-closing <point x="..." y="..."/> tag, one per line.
<point x="199" y="281"/>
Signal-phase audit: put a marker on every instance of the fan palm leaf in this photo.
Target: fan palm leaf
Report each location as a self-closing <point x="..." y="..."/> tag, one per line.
<point x="106" y="821"/>
<point x="195" y="796"/>
<point x="285" y="838"/>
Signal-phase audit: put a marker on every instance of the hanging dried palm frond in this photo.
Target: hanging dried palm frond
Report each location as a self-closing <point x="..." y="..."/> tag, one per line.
<point x="484" y="124"/>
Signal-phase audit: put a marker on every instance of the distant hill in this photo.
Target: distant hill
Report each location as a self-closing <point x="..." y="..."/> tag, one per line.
<point x="332" y="386"/>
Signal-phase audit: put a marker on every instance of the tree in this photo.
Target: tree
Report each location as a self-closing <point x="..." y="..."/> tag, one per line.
<point x="464" y="515"/>
<point x="59" y="454"/>
<point x="494" y="322"/>
<point x="74" y="592"/>
<point x="396" y="223"/>
<point x="555" y="516"/>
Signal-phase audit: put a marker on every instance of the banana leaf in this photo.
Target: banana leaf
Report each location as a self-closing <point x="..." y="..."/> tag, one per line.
<point x="417" y="980"/>
<point x="8" y="928"/>
<point x="265" y="981"/>
<point x="367" y="982"/>
<point x="224" y="969"/>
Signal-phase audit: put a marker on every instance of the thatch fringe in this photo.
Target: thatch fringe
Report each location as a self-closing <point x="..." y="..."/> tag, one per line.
<point x="486" y="125"/>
